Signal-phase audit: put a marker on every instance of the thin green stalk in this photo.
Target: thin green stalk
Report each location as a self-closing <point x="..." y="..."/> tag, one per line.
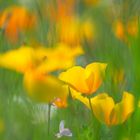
<point x="95" y="123"/>
<point x="91" y="106"/>
<point x="49" y="114"/>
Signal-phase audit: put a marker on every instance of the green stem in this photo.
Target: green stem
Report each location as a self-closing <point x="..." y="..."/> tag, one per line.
<point x="91" y="106"/>
<point x="95" y="123"/>
<point x="69" y="93"/>
<point x="49" y="114"/>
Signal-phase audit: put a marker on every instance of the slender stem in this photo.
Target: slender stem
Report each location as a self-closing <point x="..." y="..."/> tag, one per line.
<point x="96" y="125"/>
<point x="49" y="114"/>
<point x="69" y="93"/>
<point x="91" y="106"/>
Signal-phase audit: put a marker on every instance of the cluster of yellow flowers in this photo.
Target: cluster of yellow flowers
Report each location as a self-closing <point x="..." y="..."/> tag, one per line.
<point x="36" y="64"/>
<point x="87" y="81"/>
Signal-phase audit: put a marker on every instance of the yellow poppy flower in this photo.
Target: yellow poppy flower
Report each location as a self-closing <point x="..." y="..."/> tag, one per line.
<point x="105" y="109"/>
<point x="43" y="88"/>
<point x="85" y="80"/>
<point x="19" y="59"/>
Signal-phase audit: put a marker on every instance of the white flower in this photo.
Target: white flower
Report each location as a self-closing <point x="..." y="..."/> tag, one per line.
<point x="63" y="131"/>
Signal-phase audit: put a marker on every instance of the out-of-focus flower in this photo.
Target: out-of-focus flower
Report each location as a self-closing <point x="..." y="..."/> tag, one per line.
<point x="60" y="103"/>
<point x="122" y="30"/>
<point x="88" y="31"/>
<point x="62" y="10"/>
<point x="44" y="59"/>
<point x="85" y="80"/>
<point x="72" y="31"/>
<point x="42" y="87"/>
<point x="39" y="85"/>
<point x="55" y="56"/>
<point x="69" y="31"/>
<point x="19" y="59"/>
<point x="119" y="29"/>
<point x="105" y="109"/>
<point x="15" y="20"/>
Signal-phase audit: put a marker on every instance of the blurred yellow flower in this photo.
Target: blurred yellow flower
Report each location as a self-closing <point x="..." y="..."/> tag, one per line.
<point x="14" y="20"/>
<point x="105" y="109"/>
<point x="19" y="59"/>
<point x="72" y="31"/>
<point x="43" y="88"/>
<point x="85" y="80"/>
<point x="30" y="61"/>
<point x="41" y="58"/>
<point x="69" y="31"/>
<point x="55" y="56"/>
<point x="88" y="30"/>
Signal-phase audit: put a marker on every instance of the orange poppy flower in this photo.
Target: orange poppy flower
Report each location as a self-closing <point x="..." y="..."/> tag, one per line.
<point x="15" y="20"/>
